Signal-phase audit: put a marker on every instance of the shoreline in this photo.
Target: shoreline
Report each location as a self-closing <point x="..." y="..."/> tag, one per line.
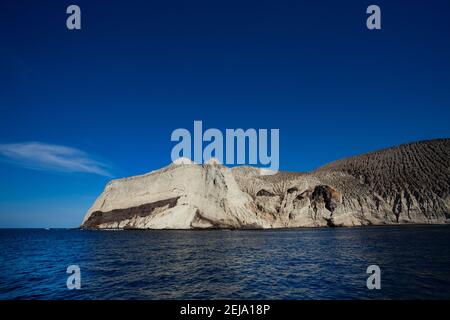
<point x="271" y="229"/>
<point x="238" y="229"/>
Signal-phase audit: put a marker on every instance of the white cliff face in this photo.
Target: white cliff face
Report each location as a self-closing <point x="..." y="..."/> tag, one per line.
<point x="186" y="195"/>
<point x="180" y="196"/>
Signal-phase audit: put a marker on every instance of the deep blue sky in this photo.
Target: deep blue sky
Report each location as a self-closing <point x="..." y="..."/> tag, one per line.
<point x="140" y="69"/>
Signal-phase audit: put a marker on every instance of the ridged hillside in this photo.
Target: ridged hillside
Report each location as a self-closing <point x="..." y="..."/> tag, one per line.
<point x="414" y="176"/>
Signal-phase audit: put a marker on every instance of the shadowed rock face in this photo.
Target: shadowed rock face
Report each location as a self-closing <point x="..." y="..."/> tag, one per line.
<point x="327" y="196"/>
<point x="118" y="215"/>
<point x="405" y="184"/>
<point x="264" y="193"/>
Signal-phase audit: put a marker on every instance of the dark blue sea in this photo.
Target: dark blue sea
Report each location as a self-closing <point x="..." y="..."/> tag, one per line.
<point x="325" y="263"/>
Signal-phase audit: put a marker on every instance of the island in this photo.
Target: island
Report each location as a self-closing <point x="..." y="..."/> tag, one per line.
<point x="405" y="184"/>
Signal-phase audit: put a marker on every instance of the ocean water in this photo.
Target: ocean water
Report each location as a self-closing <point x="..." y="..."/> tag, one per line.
<point x="325" y="263"/>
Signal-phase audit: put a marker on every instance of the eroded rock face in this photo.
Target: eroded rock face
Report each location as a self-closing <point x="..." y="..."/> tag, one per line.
<point x="118" y="216"/>
<point x="180" y="196"/>
<point x="405" y="184"/>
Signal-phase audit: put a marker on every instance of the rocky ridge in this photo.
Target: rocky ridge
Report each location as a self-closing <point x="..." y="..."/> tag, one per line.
<point x="409" y="183"/>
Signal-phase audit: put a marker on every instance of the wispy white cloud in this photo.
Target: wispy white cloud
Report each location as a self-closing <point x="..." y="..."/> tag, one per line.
<point x="41" y="156"/>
